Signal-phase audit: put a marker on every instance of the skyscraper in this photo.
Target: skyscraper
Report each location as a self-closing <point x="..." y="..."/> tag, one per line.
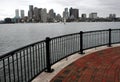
<point x="93" y="15"/>
<point x="39" y="11"/>
<point x="22" y="13"/>
<point x="112" y="16"/>
<point x="74" y="13"/>
<point x="65" y="14"/>
<point x="44" y="15"/>
<point x="30" y="12"/>
<point x="51" y="13"/>
<point x="36" y="14"/>
<point x="17" y="13"/>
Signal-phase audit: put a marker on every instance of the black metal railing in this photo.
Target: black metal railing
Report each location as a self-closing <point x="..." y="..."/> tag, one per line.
<point x="24" y="64"/>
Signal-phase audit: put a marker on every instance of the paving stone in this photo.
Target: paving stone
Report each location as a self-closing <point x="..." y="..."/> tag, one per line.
<point x="101" y="66"/>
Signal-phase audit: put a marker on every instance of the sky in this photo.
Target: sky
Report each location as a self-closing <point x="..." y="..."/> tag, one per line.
<point x="102" y="7"/>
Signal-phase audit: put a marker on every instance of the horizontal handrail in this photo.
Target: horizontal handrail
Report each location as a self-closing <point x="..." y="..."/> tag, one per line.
<point x="1" y="56"/>
<point x="7" y="54"/>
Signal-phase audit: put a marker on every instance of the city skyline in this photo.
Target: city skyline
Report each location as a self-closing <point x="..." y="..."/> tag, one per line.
<point x="103" y="8"/>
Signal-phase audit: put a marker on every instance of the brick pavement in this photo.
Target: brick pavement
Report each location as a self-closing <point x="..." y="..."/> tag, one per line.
<point x="100" y="66"/>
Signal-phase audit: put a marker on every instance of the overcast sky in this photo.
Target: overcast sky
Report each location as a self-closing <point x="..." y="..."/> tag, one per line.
<point x="103" y="7"/>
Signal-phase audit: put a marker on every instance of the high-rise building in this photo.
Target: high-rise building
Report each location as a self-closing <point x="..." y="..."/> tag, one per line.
<point x="17" y="13"/>
<point x="36" y="14"/>
<point x="51" y="13"/>
<point x="74" y="13"/>
<point x="39" y="11"/>
<point x="22" y="13"/>
<point x="65" y="14"/>
<point x="31" y="7"/>
<point x="17" y="17"/>
<point x="93" y="15"/>
<point x="112" y="15"/>
<point x="44" y="15"/>
<point x="30" y="12"/>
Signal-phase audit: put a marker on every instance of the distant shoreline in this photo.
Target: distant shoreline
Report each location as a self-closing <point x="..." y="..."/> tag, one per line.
<point x="60" y="22"/>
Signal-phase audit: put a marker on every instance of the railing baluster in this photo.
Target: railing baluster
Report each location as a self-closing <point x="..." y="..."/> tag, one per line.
<point x="36" y="59"/>
<point x="55" y="50"/>
<point x="33" y="61"/>
<point x="39" y="64"/>
<point x="64" y="46"/>
<point x="71" y="40"/>
<point x="75" y="37"/>
<point x="42" y="62"/>
<point x="27" y="54"/>
<point x="24" y="54"/>
<point x="53" y="59"/>
<point x="21" y="67"/>
<point x="4" y="70"/>
<point x="17" y="67"/>
<point x="31" y="64"/>
<point x="13" y="65"/>
<point x="59" y="48"/>
<point x="9" y="70"/>
<point x="43" y="55"/>
<point x="70" y="44"/>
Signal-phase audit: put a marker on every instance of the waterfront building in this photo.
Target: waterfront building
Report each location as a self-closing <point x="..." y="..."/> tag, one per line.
<point x="93" y="15"/>
<point x="22" y="14"/>
<point x="17" y="13"/>
<point x="39" y="11"/>
<point x="44" y="15"/>
<point x="30" y="12"/>
<point x="51" y="13"/>
<point x="58" y="18"/>
<point x="51" y="16"/>
<point x="36" y="15"/>
<point x="83" y="16"/>
<point x="74" y="13"/>
<point x="17" y="17"/>
<point x="112" y="16"/>
<point x="65" y="13"/>
<point x="54" y="15"/>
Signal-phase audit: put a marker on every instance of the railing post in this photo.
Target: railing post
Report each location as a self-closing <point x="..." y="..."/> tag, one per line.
<point x="81" y="42"/>
<point x="49" y="70"/>
<point x="109" y="44"/>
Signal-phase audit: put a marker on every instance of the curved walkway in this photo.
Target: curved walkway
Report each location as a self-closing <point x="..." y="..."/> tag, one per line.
<point x="100" y="66"/>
